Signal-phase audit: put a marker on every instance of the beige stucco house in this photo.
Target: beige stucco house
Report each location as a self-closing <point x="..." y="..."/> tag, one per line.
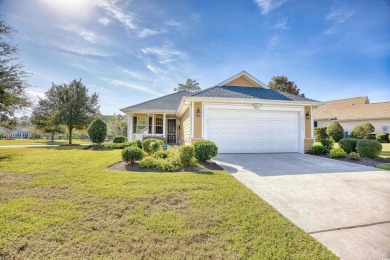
<point x="240" y="114"/>
<point x="352" y="112"/>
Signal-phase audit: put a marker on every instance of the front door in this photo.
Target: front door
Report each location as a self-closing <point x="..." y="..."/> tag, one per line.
<point x="171" y="131"/>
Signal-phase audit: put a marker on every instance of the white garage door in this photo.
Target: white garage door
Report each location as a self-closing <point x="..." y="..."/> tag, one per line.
<point x="253" y="131"/>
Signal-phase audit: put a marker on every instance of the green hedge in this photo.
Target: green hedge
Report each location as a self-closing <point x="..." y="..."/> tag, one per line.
<point x="320" y="133"/>
<point x="205" y="150"/>
<point x="132" y="154"/>
<point x="155" y="137"/>
<point x="121" y="145"/>
<point x="337" y="153"/>
<point x="348" y="144"/>
<point x="119" y="139"/>
<point x="151" y="145"/>
<point x="382" y="138"/>
<point x="335" y="130"/>
<point x="368" y="148"/>
<point x="97" y="131"/>
<point x="318" y="149"/>
<point x="328" y="143"/>
<point x="187" y="155"/>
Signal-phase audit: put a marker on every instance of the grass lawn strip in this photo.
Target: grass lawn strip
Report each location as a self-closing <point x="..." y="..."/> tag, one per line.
<point x="63" y="202"/>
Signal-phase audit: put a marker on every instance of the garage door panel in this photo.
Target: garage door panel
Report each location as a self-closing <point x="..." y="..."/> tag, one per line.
<point x="248" y="131"/>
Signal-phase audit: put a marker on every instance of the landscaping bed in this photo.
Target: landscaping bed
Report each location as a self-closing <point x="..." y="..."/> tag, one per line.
<point x="200" y="167"/>
<point x="362" y="160"/>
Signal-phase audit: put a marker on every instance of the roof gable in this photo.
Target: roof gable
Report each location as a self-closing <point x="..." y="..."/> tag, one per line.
<point x="243" y="79"/>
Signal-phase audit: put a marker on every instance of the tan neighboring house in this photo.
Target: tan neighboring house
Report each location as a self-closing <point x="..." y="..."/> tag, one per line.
<point x="352" y="112"/>
<point x="240" y="114"/>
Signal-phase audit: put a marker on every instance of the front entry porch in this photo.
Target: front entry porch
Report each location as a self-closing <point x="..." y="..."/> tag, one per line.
<point x="141" y="125"/>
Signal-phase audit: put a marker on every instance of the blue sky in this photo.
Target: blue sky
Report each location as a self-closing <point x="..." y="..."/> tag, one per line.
<point x="132" y="51"/>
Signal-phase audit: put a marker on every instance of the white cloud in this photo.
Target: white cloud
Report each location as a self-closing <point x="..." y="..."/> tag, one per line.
<point x="134" y="75"/>
<point x="268" y="5"/>
<point x="273" y="41"/>
<point x="125" y="84"/>
<point x="164" y="54"/>
<point x="147" y="32"/>
<point x="104" y="20"/>
<point x="87" y="35"/>
<point x="173" y="23"/>
<point x="155" y="69"/>
<point x="340" y="15"/>
<point x="282" y="24"/>
<point x="126" y="18"/>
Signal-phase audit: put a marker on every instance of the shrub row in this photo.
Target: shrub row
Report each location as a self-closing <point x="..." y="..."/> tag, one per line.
<point x="119" y="139"/>
<point x="382" y="138"/>
<point x="365" y="147"/>
<point x="123" y="145"/>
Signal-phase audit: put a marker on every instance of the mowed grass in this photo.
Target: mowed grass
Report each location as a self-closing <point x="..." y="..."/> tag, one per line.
<point x="65" y="203"/>
<point x="4" y="142"/>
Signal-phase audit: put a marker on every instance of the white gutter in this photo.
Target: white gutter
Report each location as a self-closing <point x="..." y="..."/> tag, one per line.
<point x="146" y="111"/>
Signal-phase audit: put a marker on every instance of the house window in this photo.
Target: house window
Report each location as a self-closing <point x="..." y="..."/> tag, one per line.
<point x="315" y="124"/>
<point x="142" y="125"/>
<point x="159" y="125"/>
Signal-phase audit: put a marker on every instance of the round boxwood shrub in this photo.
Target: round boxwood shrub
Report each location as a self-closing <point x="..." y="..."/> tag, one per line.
<point x="328" y="143"/>
<point x="368" y="148"/>
<point x="320" y="133"/>
<point x="335" y="130"/>
<point x="348" y="144"/>
<point x="318" y="149"/>
<point x="119" y="139"/>
<point x="151" y="145"/>
<point x="132" y="154"/>
<point x="382" y="138"/>
<point x="161" y="154"/>
<point x="187" y="155"/>
<point x="205" y="150"/>
<point x="97" y="131"/>
<point x="337" y="153"/>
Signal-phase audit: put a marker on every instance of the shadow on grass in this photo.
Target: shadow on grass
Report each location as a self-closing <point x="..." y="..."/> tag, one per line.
<point x="5" y="157"/>
<point x="203" y="172"/>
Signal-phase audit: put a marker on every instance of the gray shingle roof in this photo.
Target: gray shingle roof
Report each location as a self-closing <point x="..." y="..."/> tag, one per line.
<point x="169" y="102"/>
<point x="248" y="92"/>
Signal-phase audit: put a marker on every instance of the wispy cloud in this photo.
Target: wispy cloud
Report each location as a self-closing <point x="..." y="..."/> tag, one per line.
<point x="126" y="84"/>
<point x="338" y="16"/>
<point x="134" y="75"/>
<point x="87" y="35"/>
<point x="148" y="32"/>
<point x="155" y="69"/>
<point x="164" y="54"/>
<point x="104" y="20"/>
<point x="268" y="5"/>
<point x="173" y="22"/>
<point x="281" y="24"/>
<point x="273" y="41"/>
<point x="125" y="17"/>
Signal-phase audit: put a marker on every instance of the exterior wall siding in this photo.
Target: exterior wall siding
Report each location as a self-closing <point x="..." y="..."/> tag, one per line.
<point x="241" y="82"/>
<point x="197" y="122"/>
<point x="349" y="125"/>
<point x="185" y="128"/>
<point x="309" y="141"/>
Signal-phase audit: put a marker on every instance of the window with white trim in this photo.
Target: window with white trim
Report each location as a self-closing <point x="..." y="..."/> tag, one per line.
<point x="158" y="125"/>
<point x="142" y="125"/>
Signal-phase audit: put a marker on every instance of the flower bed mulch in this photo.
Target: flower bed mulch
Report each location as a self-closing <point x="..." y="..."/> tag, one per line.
<point x="362" y="160"/>
<point x="200" y="167"/>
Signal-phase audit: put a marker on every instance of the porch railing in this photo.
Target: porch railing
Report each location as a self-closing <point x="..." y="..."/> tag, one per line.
<point x="135" y="137"/>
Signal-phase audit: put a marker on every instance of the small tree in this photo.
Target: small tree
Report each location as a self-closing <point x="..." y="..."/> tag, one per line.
<point x="74" y="106"/>
<point x="282" y="83"/>
<point x="335" y="130"/>
<point x="368" y="129"/>
<point x="320" y="133"/>
<point x="97" y="131"/>
<point x="8" y="124"/>
<point x="45" y="117"/>
<point x="191" y="85"/>
<point x="358" y="132"/>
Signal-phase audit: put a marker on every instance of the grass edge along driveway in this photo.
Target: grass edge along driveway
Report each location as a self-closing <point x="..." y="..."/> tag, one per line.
<point x="65" y="203"/>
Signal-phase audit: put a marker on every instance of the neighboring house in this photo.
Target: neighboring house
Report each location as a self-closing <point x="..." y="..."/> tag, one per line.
<point x="19" y="132"/>
<point x="240" y="114"/>
<point x="352" y="112"/>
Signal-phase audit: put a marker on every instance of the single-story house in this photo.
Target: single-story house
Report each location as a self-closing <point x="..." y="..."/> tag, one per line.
<point x="352" y="112"/>
<point x="19" y="132"/>
<point x="240" y="114"/>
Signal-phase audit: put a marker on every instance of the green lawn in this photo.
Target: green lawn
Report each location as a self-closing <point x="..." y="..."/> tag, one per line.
<point x="385" y="166"/>
<point x="64" y="203"/>
<point x="4" y="142"/>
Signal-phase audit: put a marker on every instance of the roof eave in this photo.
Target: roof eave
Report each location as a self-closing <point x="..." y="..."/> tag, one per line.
<point x="146" y="111"/>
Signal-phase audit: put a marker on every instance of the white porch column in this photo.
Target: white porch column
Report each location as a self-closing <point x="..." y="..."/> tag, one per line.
<point x="129" y="127"/>
<point x="153" y="125"/>
<point x="164" y="124"/>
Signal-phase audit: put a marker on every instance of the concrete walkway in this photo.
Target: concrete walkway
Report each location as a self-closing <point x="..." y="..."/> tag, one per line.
<point x="343" y="205"/>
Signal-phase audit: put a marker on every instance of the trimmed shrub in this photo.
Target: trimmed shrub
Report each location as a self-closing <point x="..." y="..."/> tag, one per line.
<point x="132" y="154"/>
<point x="155" y="137"/>
<point x="119" y="139"/>
<point x="97" y="131"/>
<point x="371" y="136"/>
<point x="354" y="156"/>
<point x="335" y="130"/>
<point x="168" y="165"/>
<point x="368" y="148"/>
<point x="187" y="155"/>
<point x="139" y="144"/>
<point x="121" y="145"/>
<point x="328" y="143"/>
<point x="205" y="150"/>
<point x="318" y="149"/>
<point x="382" y="138"/>
<point x="320" y="133"/>
<point x="151" y="145"/>
<point x="161" y="155"/>
<point x="337" y="153"/>
<point x="148" y="162"/>
<point x="348" y="144"/>
<point x="368" y="129"/>
<point x="358" y="132"/>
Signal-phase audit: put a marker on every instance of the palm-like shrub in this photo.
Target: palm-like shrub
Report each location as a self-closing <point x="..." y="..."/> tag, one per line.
<point x="97" y="131"/>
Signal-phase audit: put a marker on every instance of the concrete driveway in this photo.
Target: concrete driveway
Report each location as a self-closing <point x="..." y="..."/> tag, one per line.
<point x="343" y="205"/>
